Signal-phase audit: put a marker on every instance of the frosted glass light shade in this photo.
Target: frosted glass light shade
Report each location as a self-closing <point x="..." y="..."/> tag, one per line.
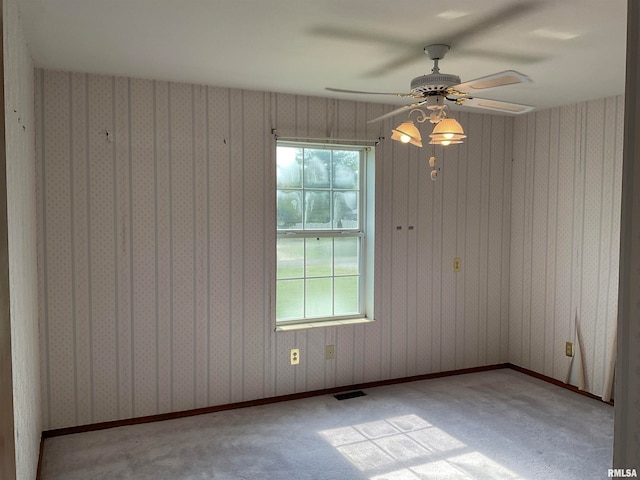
<point x="407" y="132"/>
<point x="447" y="132"/>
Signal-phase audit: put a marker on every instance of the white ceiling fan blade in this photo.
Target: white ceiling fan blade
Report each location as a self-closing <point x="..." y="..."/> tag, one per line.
<point x="497" y="105"/>
<point x="397" y="111"/>
<point x="341" y="90"/>
<point x="500" y="79"/>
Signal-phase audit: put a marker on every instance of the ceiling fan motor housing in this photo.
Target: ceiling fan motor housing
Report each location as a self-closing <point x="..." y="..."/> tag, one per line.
<point x="433" y="83"/>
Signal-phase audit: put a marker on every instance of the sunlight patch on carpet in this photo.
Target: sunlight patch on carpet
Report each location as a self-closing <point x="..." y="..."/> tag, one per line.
<point x="408" y="448"/>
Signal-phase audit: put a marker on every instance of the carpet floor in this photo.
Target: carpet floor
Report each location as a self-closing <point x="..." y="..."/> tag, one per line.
<point x="498" y="424"/>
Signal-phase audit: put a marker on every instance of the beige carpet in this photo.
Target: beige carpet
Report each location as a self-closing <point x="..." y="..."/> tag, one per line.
<point x="498" y="425"/>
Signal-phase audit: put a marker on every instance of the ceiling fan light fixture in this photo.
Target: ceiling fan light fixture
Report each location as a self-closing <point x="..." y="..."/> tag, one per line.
<point x="447" y="132"/>
<point x="407" y="132"/>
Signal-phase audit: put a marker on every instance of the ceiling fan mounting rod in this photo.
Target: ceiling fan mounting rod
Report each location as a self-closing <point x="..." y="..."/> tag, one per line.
<point x="436" y="52"/>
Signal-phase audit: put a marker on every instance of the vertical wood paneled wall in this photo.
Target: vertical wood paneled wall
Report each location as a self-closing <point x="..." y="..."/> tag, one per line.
<point x="565" y="240"/>
<point x="156" y="246"/>
<point x="19" y="134"/>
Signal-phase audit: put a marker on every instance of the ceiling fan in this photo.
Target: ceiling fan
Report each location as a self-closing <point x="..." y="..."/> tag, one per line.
<point x="433" y="89"/>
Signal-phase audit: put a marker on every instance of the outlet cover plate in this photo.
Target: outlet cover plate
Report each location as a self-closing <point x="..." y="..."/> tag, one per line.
<point x="295" y="356"/>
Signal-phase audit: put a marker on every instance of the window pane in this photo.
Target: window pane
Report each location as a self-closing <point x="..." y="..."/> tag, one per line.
<point x="346" y="256"/>
<point x="289" y="167"/>
<point x="289" y="209"/>
<point x="289" y="299"/>
<point x="319" y="297"/>
<point x="319" y="198"/>
<point x="290" y="253"/>
<point x="317" y="168"/>
<point x="319" y="257"/>
<point x="346" y="167"/>
<point x="345" y="209"/>
<point x="317" y="209"/>
<point x="346" y="300"/>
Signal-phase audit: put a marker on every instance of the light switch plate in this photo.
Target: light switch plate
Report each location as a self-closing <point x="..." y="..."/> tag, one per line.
<point x="331" y="352"/>
<point x="568" y="349"/>
<point x="457" y="264"/>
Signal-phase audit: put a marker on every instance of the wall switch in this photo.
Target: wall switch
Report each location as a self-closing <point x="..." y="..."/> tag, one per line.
<point x="568" y="349"/>
<point x="295" y="356"/>
<point x="457" y="265"/>
<point x="331" y="352"/>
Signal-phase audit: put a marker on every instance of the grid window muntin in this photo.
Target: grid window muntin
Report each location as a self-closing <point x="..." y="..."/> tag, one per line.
<point x="310" y="178"/>
<point x="336" y="292"/>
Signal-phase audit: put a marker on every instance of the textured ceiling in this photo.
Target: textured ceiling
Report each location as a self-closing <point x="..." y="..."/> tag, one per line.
<point x="573" y="50"/>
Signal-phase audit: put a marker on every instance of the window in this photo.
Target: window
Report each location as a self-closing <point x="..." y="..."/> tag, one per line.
<point x="324" y="233"/>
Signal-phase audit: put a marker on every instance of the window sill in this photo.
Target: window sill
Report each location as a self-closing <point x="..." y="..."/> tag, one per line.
<point x="320" y="324"/>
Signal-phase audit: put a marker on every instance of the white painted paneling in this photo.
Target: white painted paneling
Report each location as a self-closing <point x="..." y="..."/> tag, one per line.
<point x="472" y="256"/>
<point x="415" y="159"/>
<point x="181" y="244"/>
<point x="461" y="167"/>
<point x="399" y="261"/>
<point x="58" y="229"/>
<point x="160" y="248"/>
<point x="164" y="351"/>
<point x="494" y="249"/>
<point x="506" y="243"/>
<point x="447" y="159"/>
<point x="201" y="255"/>
<point x="517" y="242"/>
<point x="539" y="243"/>
<point x="254" y="254"/>
<point x="103" y="234"/>
<point x="565" y="186"/>
<point x="552" y="348"/>
<point x="122" y="196"/>
<point x="143" y="248"/>
<point x="218" y="248"/>
<point x="79" y="216"/>
<point x="483" y="241"/>
<point x="20" y="157"/>
<point x="565" y="236"/>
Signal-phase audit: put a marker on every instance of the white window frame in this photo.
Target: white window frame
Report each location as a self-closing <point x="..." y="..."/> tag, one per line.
<point x="366" y="207"/>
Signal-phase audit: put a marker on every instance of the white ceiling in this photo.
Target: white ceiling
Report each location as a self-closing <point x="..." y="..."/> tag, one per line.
<point x="303" y="46"/>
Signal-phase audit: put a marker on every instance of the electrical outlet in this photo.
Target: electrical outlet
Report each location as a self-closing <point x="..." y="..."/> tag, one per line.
<point x="331" y="352"/>
<point x="295" y="356"/>
<point x="568" y="349"/>
<point x="457" y="264"/>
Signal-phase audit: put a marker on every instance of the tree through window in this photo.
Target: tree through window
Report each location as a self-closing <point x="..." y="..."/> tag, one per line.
<point x="321" y="233"/>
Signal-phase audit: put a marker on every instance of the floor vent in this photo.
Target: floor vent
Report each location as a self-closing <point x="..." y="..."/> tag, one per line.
<point x="345" y="396"/>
